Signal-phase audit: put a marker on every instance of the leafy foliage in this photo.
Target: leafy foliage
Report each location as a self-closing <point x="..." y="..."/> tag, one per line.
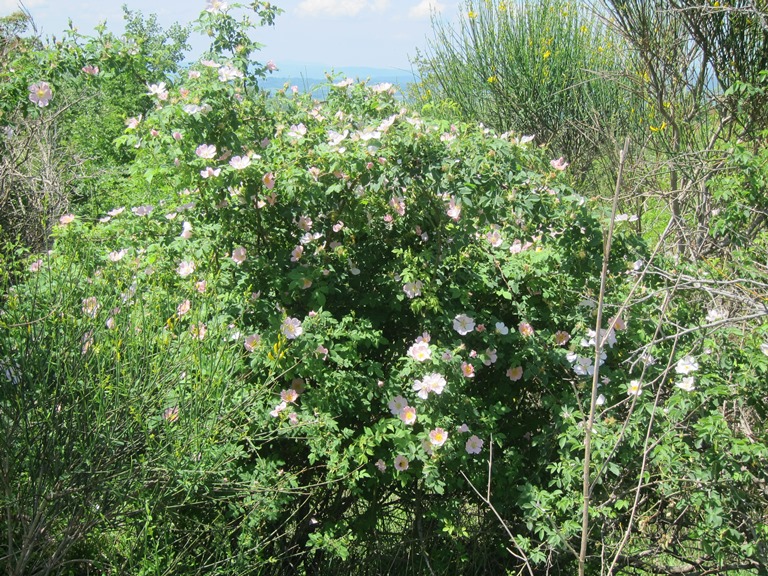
<point x="315" y="337"/>
<point x="541" y="67"/>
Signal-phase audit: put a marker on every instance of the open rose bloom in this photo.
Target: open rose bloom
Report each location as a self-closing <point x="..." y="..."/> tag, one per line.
<point x="40" y="93"/>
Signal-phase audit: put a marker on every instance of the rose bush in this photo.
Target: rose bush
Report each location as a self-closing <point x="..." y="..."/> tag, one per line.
<point x="312" y="328"/>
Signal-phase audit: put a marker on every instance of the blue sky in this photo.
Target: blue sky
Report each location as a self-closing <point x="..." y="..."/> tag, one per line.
<point x="324" y="33"/>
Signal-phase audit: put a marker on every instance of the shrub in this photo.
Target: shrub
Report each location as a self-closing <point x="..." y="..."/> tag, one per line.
<point x="541" y="67"/>
<point x="317" y="330"/>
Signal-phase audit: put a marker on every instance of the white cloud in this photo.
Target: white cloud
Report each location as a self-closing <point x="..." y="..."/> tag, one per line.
<point x="340" y="7"/>
<point x="425" y="8"/>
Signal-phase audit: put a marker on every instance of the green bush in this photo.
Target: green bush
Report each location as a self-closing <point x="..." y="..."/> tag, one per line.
<point x="317" y="337"/>
<point x="541" y="67"/>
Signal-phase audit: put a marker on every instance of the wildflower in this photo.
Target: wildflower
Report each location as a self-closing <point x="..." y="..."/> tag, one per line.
<point x="716" y="314"/>
<point x="463" y="324"/>
<point x="525" y="329"/>
<point x="201" y="286"/>
<point x="87" y="341"/>
<point x="186" y="230"/>
<point x="40" y="94"/>
<point x="381" y="465"/>
<point x="501" y="328"/>
<point x="144" y="210"/>
<point x="344" y="83"/>
<point x="210" y="172"/>
<point x="251" y="342"/>
<point x="314" y="171"/>
<point x="338" y="226"/>
<point x="116" y="211"/>
<point x="398" y="204"/>
<point x="171" y="414"/>
<point x="467" y="370"/>
<point x="437" y="437"/>
<point x="430" y="383"/>
<point x="206" y="151"/>
<point x="227" y="73"/>
<point x="494" y="237"/>
<point x="412" y="289"/>
<point x="291" y="328"/>
<point x="686" y="384"/>
<point x="381" y="87"/>
<point x="216" y="6"/>
<point x="559" y="164"/>
<point x="562" y="337"/>
<point x="618" y="323"/>
<point x="600" y="400"/>
<point x="158" y="90"/>
<point x="91" y="306"/>
<point x="279" y="408"/>
<point x="296" y="253"/>
<point x="605" y="336"/>
<point x="240" y="162"/>
<point x="686" y="365"/>
<point x="238" y="255"/>
<point x="397" y="404"/>
<point x="454" y="210"/>
<point x="269" y="180"/>
<point x="297" y="131"/>
<point x="89" y="69"/>
<point x="304" y="223"/>
<point x="271" y="66"/>
<point x="408" y="415"/>
<point x="515" y="373"/>
<point x="582" y="365"/>
<point x="336" y="138"/>
<point x="35" y="266"/>
<point x="635" y="388"/>
<point x="490" y="357"/>
<point x="183" y="308"/>
<point x="420" y="352"/>
<point x="117" y="255"/>
<point x="401" y="463"/>
<point x="66" y="219"/>
<point x="474" y="445"/>
<point x="185" y="268"/>
<point x="289" y="396"/>
<point x="110" y="323"/>
<point x="198" y="330"/>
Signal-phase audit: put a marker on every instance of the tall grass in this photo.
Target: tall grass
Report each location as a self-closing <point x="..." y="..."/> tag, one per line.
<point x="542" y="67"/>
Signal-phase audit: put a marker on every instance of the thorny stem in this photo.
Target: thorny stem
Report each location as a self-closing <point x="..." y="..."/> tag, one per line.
<point x="595" y="375"/>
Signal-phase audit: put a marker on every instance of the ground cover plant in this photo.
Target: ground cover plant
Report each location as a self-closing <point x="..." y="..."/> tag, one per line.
<point x="304" y="337"/>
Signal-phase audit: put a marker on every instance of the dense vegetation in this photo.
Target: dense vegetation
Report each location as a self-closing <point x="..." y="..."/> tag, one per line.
<point x="252" y="333"/>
